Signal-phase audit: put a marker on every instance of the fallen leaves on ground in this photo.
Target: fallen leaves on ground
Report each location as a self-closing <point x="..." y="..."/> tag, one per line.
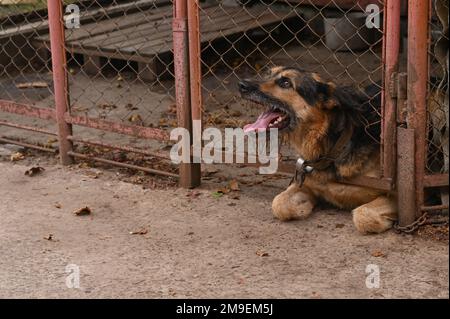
<point x="136" y="118"/>
<point x="217" y="194"/>
<point x="83" y="211"/>
<point x="193" y="194"/>
<point x="106" y="106"/>
<point x="142" y="231"/>
<point x="49" y="237"/>
<point x="35" y="170"/>
<point x="17" y="156"/>
<point x="377" y="253"/>
<point x="131" y="107"/>
<point x="261" y="253"/>
<point x="234" y="186"/>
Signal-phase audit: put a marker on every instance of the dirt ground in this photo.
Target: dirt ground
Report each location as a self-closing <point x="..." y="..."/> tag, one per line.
<point x="192" y="244"/>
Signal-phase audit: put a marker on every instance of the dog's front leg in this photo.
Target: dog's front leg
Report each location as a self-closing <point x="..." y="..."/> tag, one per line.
<point x="293" y="203"/>
<point x="376" y="216"/>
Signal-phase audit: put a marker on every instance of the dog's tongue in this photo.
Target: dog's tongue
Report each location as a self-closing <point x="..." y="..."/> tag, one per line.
<point x="262" y="123"/>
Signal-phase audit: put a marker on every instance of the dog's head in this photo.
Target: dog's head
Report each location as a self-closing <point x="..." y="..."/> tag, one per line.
<point x="291" y="96"/>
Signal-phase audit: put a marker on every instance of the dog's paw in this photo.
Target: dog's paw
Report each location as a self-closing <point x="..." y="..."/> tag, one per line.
<point x="376" y="216"/>
<point x="292" y="204"/>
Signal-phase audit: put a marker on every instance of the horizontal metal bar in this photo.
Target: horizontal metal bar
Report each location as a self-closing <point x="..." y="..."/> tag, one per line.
<point x="133" y="130"/>
<point x="435" y="207"/>
<point x="40" y="148"/>
<point x="436" y="180"/>
<point x="125" y="165"/>
<point x="27" y="128"/>
<point x="117" y="147"/>
<point x="27" y="110"/>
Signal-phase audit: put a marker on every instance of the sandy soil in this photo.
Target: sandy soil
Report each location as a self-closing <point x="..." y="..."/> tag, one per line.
<point x="195" y="245"/>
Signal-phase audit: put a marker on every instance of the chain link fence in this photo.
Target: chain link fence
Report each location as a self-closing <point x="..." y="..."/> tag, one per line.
<point x="240" y="39"/>
<point x="25" y="75"/>
<point x="119" y="62"/>
<point x="438" y="116"/>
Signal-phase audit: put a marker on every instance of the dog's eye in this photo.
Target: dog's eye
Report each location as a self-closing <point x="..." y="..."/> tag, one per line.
<point x="284" y="83"/>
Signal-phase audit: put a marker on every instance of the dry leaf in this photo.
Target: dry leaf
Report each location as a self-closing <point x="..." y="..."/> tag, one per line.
<point x="139" y="232"/>
<point x="34" y="171"/>
<point x="193" y="194"/>
<point x="17" y="157"/>
<point x="32" y="85"/>
<point x="261" y="253"/>
<point x="224" y="190"/>
<point x="378" y="253"/>
<point x="130" y="107"/>
<point x="234" y="186"/>
<point x="83" y="211"/>
<point x="107" y="106"/>
<point x="50" y="142"/>
<point x="84" y="165"/>
<point x="135" y="118"/>
<point x="172" y="109"/>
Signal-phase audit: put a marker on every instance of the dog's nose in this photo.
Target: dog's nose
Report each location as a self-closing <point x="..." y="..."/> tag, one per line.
<point x="246" y="86"/>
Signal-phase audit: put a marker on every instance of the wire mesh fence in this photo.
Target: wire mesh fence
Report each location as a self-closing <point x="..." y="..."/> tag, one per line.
<point x="120" y="64"/>
<point x="339" y="40"/>
<point x="437" y="108"/>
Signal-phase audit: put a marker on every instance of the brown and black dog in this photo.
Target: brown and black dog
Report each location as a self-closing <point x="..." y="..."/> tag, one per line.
<point x="335" y="130"/>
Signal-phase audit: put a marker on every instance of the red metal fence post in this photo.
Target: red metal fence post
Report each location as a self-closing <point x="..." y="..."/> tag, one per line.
<point x="189" y="172"/>
<point x="195" y="76"/>
<point x="417" y="88"/>
<point x="58" y="53"/>
<point x="391" y="56"/>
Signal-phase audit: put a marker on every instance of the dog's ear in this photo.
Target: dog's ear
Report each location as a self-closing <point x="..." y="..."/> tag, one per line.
<point x="317" y="93"/>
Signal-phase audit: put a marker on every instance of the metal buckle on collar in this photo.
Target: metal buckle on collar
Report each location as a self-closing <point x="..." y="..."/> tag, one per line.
<point x="301" y="169"/>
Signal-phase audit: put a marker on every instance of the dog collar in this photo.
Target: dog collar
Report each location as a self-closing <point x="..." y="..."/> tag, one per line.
<point x="304" y="167"/>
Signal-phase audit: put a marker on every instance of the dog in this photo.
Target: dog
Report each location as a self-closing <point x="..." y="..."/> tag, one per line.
<point x="335" y="130"/>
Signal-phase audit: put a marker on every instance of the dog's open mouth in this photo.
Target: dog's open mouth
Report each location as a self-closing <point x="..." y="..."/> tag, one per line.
<point x="274" y="118"/>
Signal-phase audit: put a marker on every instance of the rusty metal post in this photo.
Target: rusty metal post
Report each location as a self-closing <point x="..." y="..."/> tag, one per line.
<point x="56" y="28"/>
<point x="195" y="77"/>
<point x="417" y="88"/>
<point x="405" y="177"/>
<point x="391" y="56"/>
<point x="189" y="172"/>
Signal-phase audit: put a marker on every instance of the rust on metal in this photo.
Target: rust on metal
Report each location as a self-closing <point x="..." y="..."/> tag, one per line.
<point x="118" y="147"/>
<point x="27" y="128"/>
<point x="61" y="90"/>
<point x="133" y="130"/>
<point x="125" y="165"/>
<point x="435" y="180"/>
<point x="391" y="37"/>
<point x="190" y="175"/>
<point x="434" y="208"/>
<point x="27" y="110"/>
<point x="417" y="70"/>
<point x="401" y="85"/>
<point x="37" y="147"/>
<point x="405" y="177"/>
